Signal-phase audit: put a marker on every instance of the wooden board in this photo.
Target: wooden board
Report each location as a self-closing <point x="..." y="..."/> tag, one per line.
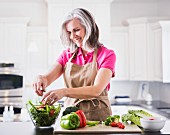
<point x="99" y="129"/>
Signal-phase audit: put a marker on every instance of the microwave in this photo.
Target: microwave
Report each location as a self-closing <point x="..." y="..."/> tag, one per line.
<point x="10" y="81"/>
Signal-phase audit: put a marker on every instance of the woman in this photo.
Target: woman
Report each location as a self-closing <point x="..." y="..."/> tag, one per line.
<point x="87" y="67"/>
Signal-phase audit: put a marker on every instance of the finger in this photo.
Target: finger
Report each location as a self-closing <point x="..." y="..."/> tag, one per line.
<point x="45" y="96"/>
<point x="39" y="86"/>
<point x="50" y="99"/>
<point x="39" y="92"/>
<point x="43" y="88"/>
<point x="55" y="100"/>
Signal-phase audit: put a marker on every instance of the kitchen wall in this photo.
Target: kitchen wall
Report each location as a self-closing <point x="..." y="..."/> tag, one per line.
<point x="120" y="11"/>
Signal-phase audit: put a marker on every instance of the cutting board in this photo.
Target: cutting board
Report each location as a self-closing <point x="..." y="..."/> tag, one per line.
<point x="101" y="128"/>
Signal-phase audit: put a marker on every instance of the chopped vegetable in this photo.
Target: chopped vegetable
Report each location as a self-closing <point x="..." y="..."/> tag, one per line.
<point x="76" y="120"/>
<point x="82" y="118"/>
<point x="134" y="116"/>
<point x="44" y="115"/>
<point x="140" y="113"/>
<point x="70" y="121"/>
<point x="114" y="118"/>
<point x="113" y="124"/>
<point x="70" y="109"/>
<point x="117" y="124"/>
<point x="92" y="123"/>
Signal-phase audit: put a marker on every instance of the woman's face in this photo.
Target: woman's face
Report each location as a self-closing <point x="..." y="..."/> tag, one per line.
<point x="76" y="31"/>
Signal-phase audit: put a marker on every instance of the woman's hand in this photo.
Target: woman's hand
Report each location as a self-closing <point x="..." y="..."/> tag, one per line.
<point x="53" y="96"/>
<point x="40" y="84"/>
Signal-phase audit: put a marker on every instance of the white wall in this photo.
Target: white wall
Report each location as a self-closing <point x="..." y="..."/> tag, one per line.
<point x="124" y="9"/>
<point x="120" y="11"/>
<point x="36" y="10"/>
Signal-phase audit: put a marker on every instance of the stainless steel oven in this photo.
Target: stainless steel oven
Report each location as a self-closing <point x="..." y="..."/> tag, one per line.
<point x="11" y="85"/>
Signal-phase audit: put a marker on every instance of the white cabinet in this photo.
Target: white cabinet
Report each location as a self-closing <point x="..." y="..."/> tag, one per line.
<point x="1" y="41"/>
<point x="36" y="48"/>
<point x="59" y="9"/>
<point x="162" y="34"/>
<point x="120" y="45"/>
<point x="12" y="40"/>
<point x="148" y="50"/>
<point x="138" y="49"/>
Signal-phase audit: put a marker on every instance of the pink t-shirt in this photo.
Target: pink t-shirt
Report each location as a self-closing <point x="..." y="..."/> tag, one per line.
<point x="106" y="58"/>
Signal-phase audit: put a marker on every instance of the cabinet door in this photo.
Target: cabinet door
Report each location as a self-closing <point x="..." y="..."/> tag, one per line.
<point x="14" y="43"/>
<point x="119" y="43"/>
<point x="157" y="61"/>
<point x="138" y="52"/>
<point x="36" y="53"/>
<point x="166" y="50"/>
<point x="1" y="42"/>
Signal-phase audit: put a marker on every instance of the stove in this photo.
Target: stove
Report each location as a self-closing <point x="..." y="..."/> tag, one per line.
<point x="11" y="85"/>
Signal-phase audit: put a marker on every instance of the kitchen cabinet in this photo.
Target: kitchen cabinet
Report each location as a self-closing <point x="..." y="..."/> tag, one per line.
<point x="148" y="51"/>
<point x="138" y="50"/>
<point x="36" y="48"/>
<point x="161" y="36"/>
<point x="120" y="44"/>
<point x="13" y="33"/>
<point x="58" y="10"/>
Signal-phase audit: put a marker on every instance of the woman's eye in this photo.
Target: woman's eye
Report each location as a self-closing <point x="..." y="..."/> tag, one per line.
<point x="76" y="29"/>
<point x="68" y="32"/>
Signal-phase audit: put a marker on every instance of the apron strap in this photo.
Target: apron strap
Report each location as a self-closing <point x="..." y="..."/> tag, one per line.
<point x="74" y="55"/>
<point x="95" y="55"/>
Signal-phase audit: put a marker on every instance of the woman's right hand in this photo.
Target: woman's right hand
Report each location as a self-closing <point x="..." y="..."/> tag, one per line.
<point x="40" y="84"/>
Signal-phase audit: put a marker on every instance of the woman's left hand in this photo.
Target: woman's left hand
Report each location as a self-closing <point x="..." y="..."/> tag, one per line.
<point x="53" y="96"/>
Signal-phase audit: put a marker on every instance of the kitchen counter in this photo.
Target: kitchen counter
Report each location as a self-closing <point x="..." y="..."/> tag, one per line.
<point x="156" y="106"/>
<point x="27" y="128"/>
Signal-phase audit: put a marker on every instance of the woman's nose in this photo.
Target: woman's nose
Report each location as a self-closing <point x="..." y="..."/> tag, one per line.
<point x="72" y="35"/>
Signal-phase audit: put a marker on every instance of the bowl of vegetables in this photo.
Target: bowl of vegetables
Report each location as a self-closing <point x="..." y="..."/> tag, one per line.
<point x="43" y="116"/>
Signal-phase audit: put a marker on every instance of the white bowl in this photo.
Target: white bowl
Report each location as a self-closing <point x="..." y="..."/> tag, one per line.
<point x="153" y="123"/>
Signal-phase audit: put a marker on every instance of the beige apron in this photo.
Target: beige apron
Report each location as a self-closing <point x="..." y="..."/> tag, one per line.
<point x="84" y="75"/>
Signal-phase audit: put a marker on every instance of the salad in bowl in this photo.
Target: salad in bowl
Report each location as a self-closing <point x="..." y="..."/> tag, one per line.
<point x="43" y="115"/>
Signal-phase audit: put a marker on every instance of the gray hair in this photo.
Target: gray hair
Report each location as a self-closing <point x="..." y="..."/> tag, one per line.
<point x="87" y="20"/>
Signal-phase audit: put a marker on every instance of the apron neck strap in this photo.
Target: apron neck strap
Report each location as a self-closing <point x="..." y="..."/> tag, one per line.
<point x="74" y="55"/>
<point x="95" y="55"/>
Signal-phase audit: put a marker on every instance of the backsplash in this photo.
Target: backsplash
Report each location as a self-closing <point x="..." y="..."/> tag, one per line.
<point x="165" y="92"/>
<point x="158" y="90"/>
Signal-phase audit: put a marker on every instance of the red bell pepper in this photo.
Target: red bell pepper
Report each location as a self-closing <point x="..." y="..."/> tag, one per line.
<point x="82" y="118"/>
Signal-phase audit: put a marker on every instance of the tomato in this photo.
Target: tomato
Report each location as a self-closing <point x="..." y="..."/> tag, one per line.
<point x="113" y="124"/>
<point x="119" y="123"/>
<point x="122" y="126"/>
<point x="52" y="112"/>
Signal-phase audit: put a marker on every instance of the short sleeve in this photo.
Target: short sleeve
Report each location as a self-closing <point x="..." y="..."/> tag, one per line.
<point x="63" y="58"/>
<point x="108" y="61"/>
